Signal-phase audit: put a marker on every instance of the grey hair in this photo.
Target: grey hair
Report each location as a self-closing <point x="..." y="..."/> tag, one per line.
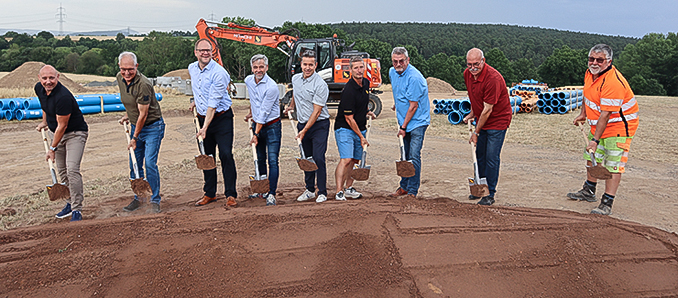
<point x="482" y="55"/>
<point x="128" y="54"/>
<point x="400" y="51"/>
<point x="602" y="48"/>
<point x="258" y="57"/>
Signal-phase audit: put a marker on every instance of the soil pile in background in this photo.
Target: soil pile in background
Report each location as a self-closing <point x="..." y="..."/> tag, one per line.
<point x="439" y="86"/>
<point x="26" y="76"/>
<point x="183" y="73"/>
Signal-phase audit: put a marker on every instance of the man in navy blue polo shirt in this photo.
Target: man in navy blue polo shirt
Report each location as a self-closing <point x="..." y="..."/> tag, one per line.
<point x="349" y="128"/>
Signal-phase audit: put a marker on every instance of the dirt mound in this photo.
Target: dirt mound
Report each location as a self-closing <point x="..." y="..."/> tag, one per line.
<point x="26" y="75"/>
<point x="439" y="86"/>
<point x="183" y="73"/>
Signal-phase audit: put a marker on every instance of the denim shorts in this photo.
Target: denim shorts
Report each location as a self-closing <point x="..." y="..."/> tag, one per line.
<point x="348" y="143"/>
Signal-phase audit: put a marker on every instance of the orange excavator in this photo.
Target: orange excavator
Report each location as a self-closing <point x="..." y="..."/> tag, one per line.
<point x="333" y="66"/>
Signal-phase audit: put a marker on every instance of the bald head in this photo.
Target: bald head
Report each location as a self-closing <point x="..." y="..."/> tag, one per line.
<point x="49" y="78"/>
<point x="475" y="61"/>
<point x="475" y="53"/>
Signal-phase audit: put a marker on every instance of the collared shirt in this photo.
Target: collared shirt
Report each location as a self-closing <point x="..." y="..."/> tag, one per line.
<point x="309" y="91"/>
<point x="139" y="92"/>
<point x="354" y="101"/>
<point x="611" y="92"/>
<point x="60" y="102"/>
<point x="210" y="87"/>
<point x="410" y="86"/>
<point x="264" y="99"/>
<point x="490" y="88"/>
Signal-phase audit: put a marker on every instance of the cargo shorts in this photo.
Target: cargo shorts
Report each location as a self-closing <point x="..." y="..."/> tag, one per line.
<point x="612" y="152"/>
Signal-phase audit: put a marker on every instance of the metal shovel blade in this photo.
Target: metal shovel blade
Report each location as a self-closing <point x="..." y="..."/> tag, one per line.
<point x="360" y="174"/>
<point x="598" y="171"/>
<point x="307" y="164"/>
<point x="405" y="168"/>
<point x="205" y="162"/>
<point x="58" y="191"/>
<point x="479" y="189"/>
<point x="141" y="188"/>
<point x="261" y="185"/>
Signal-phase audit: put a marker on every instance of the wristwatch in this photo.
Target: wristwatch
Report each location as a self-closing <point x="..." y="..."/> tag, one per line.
<point x="255" y="134"/>
<point x="402" y="128"/>
<point x="594" y="139"/>
<point x="53" y="148"/>
<point x="135" y="138"/>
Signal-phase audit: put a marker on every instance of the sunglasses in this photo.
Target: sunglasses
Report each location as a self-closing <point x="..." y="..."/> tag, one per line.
<point x="599" y="60"/>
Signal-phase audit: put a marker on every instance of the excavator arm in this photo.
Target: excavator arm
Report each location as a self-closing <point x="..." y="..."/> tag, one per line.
<point x="252" y="35"/>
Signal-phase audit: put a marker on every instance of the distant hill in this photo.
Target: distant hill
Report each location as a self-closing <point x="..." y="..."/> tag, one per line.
<point x="455" y="39"/>
<point x="74" y="33"/>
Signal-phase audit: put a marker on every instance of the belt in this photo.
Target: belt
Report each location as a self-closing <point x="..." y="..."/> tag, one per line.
<point x="215" y="114"/>
<point x="272" y="121"/>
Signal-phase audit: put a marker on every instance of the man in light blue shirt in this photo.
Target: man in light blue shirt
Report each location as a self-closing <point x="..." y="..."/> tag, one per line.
<point x="265" y="112"/>
<point x="209" y="82"/>
<point x="413" y="110"/>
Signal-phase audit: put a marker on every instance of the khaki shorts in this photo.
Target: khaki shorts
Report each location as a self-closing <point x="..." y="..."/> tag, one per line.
<point x="612" y="152"/>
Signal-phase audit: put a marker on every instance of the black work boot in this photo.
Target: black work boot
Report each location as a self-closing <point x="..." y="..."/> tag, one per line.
<point x="605" y="207"/>
<point x="134" y="205"/>
<point x="586" y="193"/>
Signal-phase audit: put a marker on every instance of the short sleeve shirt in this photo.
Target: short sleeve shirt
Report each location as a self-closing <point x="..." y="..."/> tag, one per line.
<point x="60" y="102"/>
<point x="210" y="87"/>
<point x="354" y="101"/>
<point x="139" y="92"/>
<point x="410" y="86"/>
<point x="307" y="92"/>
<point x="490" y="88"/>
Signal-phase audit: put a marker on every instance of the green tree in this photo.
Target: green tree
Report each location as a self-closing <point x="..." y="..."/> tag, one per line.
<point x="160" y="53"/>
<point x="496" y="58"/>
<point x="565" y="67"/>
<point x="653" y="58"/>
<point x="45" y="34"/>
<point x="524" y="69"/>
<point x="641" y="86"/>
<point x="90" y="61"/>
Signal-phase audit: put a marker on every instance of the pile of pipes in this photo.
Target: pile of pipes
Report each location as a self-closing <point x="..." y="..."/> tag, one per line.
<point x="455" y="109"/>
<point x="528" y="102"/>
<point x="560" y="101"/>
<point x="29" y="108"/>
<point x="528" y="85"/>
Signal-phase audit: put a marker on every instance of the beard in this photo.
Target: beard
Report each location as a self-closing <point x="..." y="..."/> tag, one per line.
<point x="259" y="76"/>
<point x="594" y="69"/>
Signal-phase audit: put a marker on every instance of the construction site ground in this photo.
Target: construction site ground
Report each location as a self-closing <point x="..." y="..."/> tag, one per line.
<point x="533" y="242"/>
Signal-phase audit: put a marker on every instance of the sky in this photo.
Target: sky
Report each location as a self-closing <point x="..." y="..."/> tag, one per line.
<point x="620" y="17"/>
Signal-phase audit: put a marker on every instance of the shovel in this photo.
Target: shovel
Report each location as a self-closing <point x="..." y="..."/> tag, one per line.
<point x="597" y="170"/>
<point x="307" y="164"/>
<point x="362" y="172"/>
<point x="258" y="183"/>
<point x="202" y="161"/>
<point x="56" y="191"/>
<point x="140" y="187"/>
<point x="477" y="185"/>
<point x="404" y="168"/>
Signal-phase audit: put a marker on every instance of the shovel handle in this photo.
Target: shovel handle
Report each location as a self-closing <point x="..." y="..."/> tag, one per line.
<point x="402" y="148"/>
<point x="294" y="127"/>
<point x="52" y="168"/>
<point x="197" y="124"/>
<point x="132" y="155"/>
<point x="254" y="147"/>
<point x="476" y="174"/>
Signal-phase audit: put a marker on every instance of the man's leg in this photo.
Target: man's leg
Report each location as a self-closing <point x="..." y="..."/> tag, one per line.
<point x="151" y="137"/>
<point x="261" y="150"/>
<point x="321" y="130"/>
<point x="495" y="141"/>
<point x="273" y="141"/>
<point x="224" y="139"/>
<point x="357" y="155"/>
<point x="405" y="181"/>
<point x="307" y="144"/>
<point x="75" y="147"/>
<point x="416" y="143"/>
<point x="481" y="151"/>
<point x="210" y="145"/>
<point x="60" y="163"/>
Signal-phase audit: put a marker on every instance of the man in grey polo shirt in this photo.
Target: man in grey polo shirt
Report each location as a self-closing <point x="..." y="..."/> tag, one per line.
<point x="310" y="100"/>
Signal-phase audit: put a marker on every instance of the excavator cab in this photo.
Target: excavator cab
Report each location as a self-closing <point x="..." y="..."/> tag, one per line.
<point x="325" y="52"/>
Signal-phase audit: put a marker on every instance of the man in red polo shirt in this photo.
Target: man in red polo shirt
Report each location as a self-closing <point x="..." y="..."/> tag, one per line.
<point x="491" y="108"/>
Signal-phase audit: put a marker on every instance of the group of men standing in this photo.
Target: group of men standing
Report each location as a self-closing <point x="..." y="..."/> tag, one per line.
<point x="611" y="110"/>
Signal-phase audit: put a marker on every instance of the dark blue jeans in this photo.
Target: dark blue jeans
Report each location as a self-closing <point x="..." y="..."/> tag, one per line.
<point x="488" y="150"/>
<point x="413" y="141"/>
<point x="147" y="150"/>
<point x="268" y="148"/>
<point x="220" y="134"/>
<point x="315" y="144"/>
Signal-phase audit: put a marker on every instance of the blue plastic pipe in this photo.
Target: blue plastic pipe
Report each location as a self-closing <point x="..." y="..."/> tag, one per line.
<point x="455" y="117"/>
<point x="456" y="105"/>
<point x="8" y="114"/>
<point x="465" y="106"/>
<point x="31" y="104"/>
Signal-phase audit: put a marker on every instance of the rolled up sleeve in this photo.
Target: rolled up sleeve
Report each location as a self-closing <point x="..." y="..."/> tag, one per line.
<point x="217" y="89"/>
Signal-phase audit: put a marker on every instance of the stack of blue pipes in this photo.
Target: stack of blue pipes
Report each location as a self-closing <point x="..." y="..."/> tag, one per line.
<point x="29" y="108"/>
<point x="560" y="102"/>
<point x="455" y="109"/>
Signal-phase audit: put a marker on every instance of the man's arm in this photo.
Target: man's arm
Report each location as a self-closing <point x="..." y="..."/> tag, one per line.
<point x="311" y="120"/>
<point x="215" y="95"/>
<point x="143" y="114"/>
<point x="62" y="124"/>
<point x="410" y="113"/>
<point x="484" y="115"/>
<point x="42" y="125"/>
<point x="600" y="129"/>
<point x="354" y="126"/>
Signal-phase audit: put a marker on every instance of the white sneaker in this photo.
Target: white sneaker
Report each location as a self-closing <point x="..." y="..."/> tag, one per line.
<point x="340" y="196"/>
<point x="321" y="198"/>
<point x="351" y="193"/>
<point x="270" y="200"/>
<point x="307" y="195"/>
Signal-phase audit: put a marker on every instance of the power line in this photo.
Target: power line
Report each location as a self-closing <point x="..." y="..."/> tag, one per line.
<point x="212" y="16"/>
<point x="61" y="21"/>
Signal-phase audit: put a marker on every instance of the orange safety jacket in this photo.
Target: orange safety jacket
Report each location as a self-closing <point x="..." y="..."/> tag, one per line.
<point x="611" y="92"/>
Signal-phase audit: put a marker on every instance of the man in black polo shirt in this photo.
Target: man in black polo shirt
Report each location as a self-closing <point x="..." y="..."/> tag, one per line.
<point x="349" y="128"/>
<point x="68" y="129"/>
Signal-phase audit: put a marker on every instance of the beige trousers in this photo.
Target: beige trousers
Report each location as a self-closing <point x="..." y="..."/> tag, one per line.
<point x="68" y="157"/>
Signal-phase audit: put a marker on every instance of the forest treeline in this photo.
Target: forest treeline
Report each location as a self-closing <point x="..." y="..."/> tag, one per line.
<point x="438" y="50"/>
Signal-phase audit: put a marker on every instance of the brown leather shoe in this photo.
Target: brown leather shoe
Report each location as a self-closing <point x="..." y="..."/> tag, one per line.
<point x="411" y="196"/>
<point x="205" y="200"/>
<point x="231" y="202"/>
<point x="398" y="192"/>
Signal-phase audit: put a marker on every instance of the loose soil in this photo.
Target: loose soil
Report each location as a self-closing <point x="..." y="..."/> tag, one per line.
<point x="436" y="85"/>
<point x="26" y="76"/>
<point x="205" y="162"/>
<point x="183" y="73"/>
<point x="58" y="192"/>
<point x="141" y="188"/>
<point x="532" y="242"/>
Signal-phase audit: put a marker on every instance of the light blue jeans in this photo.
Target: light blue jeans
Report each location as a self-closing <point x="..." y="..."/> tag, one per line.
<point x="147" y="150"/>
<point x="413" y="141"/>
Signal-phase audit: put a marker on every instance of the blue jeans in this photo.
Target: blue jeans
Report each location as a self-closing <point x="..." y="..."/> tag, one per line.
<point x="268" y="148"/>
<point x="488" y="150"/>
<point x="315" y="145"/>
<point x="413" y="141"/>
<point x="147" y="150"/>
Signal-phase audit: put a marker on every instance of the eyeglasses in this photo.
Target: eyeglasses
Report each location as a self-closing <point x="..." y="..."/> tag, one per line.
<point x="400" y="61"/>
<point x="127" y="69"/>
<point x="474" y="65"/>
<point x="599" y="60"/>
<point x="203" y="50"/>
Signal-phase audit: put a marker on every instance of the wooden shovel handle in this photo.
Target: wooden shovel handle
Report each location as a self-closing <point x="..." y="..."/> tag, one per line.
<point x="254" y="147"/>
<point x="131" y="152"/>
<point x="367" y="134"/>
<point x="45" y="141"/>
<point x="294" y="127"/>
<point x="197" y="124"/>
<point x="586" y="136"/>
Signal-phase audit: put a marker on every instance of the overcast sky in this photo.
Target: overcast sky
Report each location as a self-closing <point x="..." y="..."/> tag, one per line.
<point x="620" y="17"/>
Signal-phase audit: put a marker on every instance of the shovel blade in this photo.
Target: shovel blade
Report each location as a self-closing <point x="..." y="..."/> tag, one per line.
<point x="141" y="188"/>
<point x="205" y="162"/>
<point x="307" y="164"/>
<point x="599" y="172"/>
<point x="405" y="168"/>
<point x="361" y="174"/>
<point x="259" y="186"/>
<point x="58" y="191"/>
<point x="479" y="188"/>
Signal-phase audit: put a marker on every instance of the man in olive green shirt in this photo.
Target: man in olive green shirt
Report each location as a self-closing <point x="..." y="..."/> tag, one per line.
<point x="148" y="127"/>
